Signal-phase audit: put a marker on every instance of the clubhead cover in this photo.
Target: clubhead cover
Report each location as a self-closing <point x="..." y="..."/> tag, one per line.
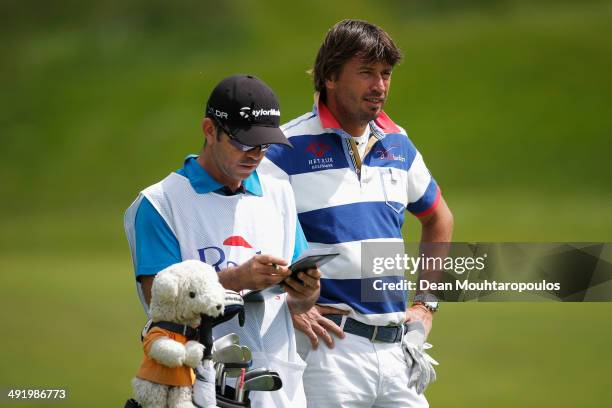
<point x="234" y="305"/>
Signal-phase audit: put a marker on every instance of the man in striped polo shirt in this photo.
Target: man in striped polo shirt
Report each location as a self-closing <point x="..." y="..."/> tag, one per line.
<point x="354" y="172"/>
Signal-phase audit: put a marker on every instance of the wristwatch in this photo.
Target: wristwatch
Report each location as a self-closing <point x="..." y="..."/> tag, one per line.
<point x="428" y="300"/>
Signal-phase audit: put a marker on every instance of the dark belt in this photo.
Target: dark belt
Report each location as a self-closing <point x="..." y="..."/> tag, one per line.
<point x="385" y="334"/>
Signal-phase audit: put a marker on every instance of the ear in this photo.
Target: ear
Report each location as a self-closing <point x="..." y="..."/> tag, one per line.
<point x="210" y="132"/>
<point x="330" y="84"/>
<point x="165" y="286"/>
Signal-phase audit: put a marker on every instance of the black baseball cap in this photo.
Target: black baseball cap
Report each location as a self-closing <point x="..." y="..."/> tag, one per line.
<point x="248" y="108"/>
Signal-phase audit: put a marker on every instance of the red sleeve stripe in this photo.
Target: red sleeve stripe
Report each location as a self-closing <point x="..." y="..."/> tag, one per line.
<point x="432" y="207"/>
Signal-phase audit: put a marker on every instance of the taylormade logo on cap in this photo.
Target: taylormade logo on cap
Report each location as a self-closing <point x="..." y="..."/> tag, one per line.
<point x="247" y="109"/>
<point x="246" y="112"/>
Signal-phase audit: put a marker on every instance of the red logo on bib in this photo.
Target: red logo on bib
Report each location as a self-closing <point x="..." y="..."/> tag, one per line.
<point x="216" y="257"/>
<point x="236" y="240"/>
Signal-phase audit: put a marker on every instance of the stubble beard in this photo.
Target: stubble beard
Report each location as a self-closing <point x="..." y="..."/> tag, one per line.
<point x="355" y="113"/>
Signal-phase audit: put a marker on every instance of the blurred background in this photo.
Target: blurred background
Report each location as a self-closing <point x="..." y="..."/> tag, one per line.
<point x="509" y="102"/>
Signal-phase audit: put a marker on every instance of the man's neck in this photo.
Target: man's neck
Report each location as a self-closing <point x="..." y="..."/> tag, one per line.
<point x="213" y="171"/>
<point x="351" y="126"/>
<point x="356" y="130"/>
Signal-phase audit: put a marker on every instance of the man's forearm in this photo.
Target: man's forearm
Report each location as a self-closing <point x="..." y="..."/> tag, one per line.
<point x="436" y="234"/>
<point x="228" y="278"/>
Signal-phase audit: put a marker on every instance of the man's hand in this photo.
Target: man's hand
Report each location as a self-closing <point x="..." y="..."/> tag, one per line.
<point x="314" y="325"/>
<point x="259" y="272"/>
<point x="309" y="288"/>
<point x="302" y="296"/>
<point x="422" y="314"/>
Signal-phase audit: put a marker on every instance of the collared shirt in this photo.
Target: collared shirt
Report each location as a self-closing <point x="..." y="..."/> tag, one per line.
<point x="203" y="183"/>
<point x="156" y="245"/>
<point x="341" y="207"/>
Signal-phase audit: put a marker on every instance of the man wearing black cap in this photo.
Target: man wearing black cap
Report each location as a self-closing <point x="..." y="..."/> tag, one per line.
<point x="217" y="209"/>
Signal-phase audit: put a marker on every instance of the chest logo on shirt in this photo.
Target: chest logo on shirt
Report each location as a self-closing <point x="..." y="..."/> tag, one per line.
<point x="318" y="160"/>
<point x="389" y="154"/>
<point x="216" y="256"/>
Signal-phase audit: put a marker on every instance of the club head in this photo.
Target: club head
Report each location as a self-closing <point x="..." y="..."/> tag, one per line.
<point x="234" y="305"/>
<point x="261" y="382"/>
<point x="256" y="372"/>
<point x="225" y="341"/>
<point x="232" y="353"/>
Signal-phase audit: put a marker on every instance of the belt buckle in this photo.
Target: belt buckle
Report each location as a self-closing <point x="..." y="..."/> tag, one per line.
<point x="374" y="333"/>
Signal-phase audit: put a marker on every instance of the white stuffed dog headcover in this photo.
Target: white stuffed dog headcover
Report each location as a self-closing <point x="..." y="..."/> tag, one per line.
<point x="180" y="294"/>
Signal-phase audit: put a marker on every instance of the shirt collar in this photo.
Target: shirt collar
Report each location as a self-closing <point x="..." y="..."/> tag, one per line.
<point x="380" y="126"/>
<point x="203" y="183"/>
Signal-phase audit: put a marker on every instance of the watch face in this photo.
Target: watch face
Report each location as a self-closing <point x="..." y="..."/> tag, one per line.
<point x="426" y="298"/>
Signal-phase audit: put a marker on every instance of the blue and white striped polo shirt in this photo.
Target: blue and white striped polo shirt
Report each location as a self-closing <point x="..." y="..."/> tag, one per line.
<point x="338" y="208"/>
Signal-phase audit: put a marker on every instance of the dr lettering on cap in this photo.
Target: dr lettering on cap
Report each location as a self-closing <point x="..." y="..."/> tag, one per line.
<point x="249" y="109"/>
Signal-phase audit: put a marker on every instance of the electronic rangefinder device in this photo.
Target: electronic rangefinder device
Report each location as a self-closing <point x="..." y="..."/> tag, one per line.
<point x="311" y="259"/>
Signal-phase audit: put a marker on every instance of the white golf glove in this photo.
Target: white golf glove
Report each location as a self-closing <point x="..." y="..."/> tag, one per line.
<point x="420" y="364"/>
<point x="204" y="394"/>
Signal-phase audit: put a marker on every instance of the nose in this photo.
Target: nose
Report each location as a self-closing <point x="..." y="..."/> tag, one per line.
<point x="218" y="307"/>
<point x="379" y="84"/>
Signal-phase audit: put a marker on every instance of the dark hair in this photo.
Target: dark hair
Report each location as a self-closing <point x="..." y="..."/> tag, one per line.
<point x="347" y="39"/>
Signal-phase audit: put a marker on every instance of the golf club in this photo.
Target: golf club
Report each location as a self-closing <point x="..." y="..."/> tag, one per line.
<point x="233" y="356"/>
<point x="228" y="339"/>
<point x="259" y="382"/>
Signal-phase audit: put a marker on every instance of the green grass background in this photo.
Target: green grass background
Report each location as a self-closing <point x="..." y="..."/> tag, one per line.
<point x="509" y="102"/>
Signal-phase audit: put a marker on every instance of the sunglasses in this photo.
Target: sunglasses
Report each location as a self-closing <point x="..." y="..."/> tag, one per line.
<point x="240" y="146"/>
